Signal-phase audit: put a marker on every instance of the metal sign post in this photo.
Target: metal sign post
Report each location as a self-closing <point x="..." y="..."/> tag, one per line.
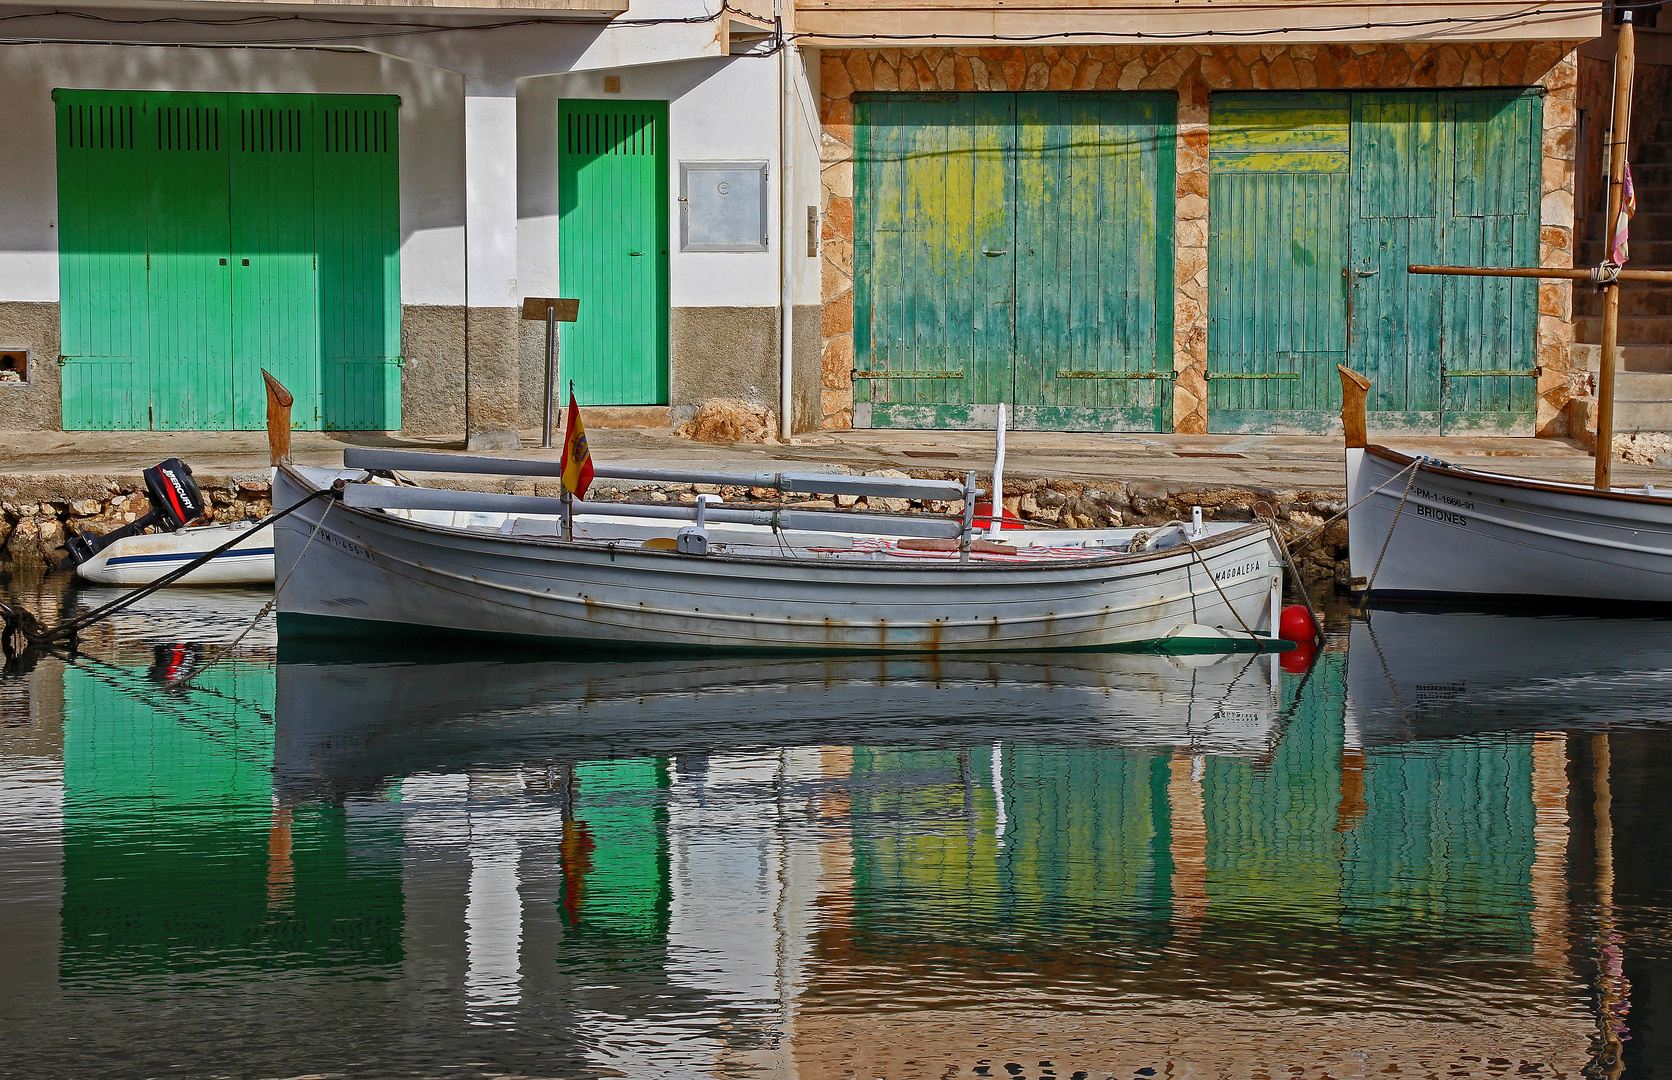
<point x="552" y="310"/>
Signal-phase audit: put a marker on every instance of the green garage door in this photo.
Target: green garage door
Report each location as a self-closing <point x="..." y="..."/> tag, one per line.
<point x="1320" y="201"/>
<point x="204" y="237"/>
<point x="1014" y="248"/>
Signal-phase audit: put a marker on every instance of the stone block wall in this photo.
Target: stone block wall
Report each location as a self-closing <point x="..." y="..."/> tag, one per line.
<point x="1195" y="71"/>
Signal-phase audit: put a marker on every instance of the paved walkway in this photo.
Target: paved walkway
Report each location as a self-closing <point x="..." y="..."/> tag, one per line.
<point x="1186" y="462"/>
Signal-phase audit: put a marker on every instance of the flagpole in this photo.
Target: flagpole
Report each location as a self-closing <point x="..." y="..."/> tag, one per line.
<point x="1624" y="62"/>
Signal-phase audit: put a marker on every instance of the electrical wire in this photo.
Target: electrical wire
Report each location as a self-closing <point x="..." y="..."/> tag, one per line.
<point x="403" y="28"/>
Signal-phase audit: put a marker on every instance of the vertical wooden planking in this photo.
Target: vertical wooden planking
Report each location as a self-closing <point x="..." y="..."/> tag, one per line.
<point x="357" y="231"/>
<point x="189" y="240"/>
<point x="275" y="310"/>
<point x="103" y="311"/>
<point x="1278" y="243"/>
<point x="613" y="185"/>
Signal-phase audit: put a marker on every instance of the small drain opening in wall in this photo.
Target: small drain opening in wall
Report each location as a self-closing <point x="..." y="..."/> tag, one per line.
<point x="14" y="366"/>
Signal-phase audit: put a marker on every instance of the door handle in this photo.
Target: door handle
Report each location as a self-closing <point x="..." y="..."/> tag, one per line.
<point x="635" y="253"/>
<point x="1367" y="273"/>
<point x="992" y="254"/>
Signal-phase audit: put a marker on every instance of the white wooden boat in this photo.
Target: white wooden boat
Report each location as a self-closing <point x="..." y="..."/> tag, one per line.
<point x="608" y="574"/>
<point x="140" y="560"/>
<point x="1461" y="533"/>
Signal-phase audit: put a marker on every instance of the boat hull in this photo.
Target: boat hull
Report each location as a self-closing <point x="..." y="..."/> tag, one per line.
<point x="1469" y="535"/>
<point x="140" y="560"/>
<point x="370" y="567"/>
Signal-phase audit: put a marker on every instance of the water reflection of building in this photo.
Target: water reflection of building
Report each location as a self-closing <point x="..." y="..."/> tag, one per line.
<point x="593" y="876"/>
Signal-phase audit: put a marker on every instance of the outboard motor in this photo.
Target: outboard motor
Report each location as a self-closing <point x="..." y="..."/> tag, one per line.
<point x="175" y="503"/>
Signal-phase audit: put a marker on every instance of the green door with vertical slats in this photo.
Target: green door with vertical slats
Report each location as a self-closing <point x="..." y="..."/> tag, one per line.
<point x="189" y="238"/>
<point x="104" y="306"/>
<point x="1450" y="178"/>
<point x="1093" y="256"/>
<point x="1320" y="202"/>
<point x="1277" y="260"/>
<point x="613" y="249"/>
<point x="1014" y="248"/>
<point x="357" y="245"/>
<point x="207" y="236"/>
<point x="935" y="281"/>
<point x="275" y="300"/>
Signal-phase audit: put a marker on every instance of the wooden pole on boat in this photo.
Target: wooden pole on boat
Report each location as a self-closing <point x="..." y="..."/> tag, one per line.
<point x="1625" y="59"/>
<point x="279" y="401"/>
<point x="1607" y="275"/>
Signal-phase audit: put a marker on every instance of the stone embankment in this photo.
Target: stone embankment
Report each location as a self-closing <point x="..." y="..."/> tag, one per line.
<point x="34" y="514"/>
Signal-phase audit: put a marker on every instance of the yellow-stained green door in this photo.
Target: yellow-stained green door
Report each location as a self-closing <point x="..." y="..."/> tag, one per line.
<point x="934" y="258"/>
<point x="1278" y="172"/>
<point x="1094" y="261"/>
<point x="1013" y="248"/>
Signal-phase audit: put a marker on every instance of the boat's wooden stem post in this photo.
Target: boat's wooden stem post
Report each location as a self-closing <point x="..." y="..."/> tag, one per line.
<point x="1619" y="136"/>
<point x="279" y="401"/>
<point x="969" y="518"/>
<point x="1353" y="389"/>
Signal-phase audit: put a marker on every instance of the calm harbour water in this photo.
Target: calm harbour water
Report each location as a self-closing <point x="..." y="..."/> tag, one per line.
<point x="1436" y="852"/>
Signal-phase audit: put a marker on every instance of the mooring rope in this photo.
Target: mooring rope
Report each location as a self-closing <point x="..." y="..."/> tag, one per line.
<point x="19" y="621"/>
<point x="222" y="651"/>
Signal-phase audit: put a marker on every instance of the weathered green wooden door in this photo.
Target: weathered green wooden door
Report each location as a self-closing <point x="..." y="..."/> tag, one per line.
<point x="104" y="306"/>
<point x="1445" y="178"/>
<point x="934" y="332"/>
<point x="206" y="236"/>
<point x="1094" y="264"/>
<point x="1013" y="248"/>
<point x="1320" y="202"/>
<point x="613" y="249"/>
<point x="1277" y="260"/>
<point x="1489" y="326"/>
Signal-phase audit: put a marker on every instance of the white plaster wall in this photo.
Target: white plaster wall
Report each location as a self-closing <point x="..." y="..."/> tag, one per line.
<point x="431" y="151"/>
<point x="719" y="109"/>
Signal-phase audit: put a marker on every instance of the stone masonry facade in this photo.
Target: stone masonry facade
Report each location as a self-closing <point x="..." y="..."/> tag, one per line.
<point x="1195" y="71"/>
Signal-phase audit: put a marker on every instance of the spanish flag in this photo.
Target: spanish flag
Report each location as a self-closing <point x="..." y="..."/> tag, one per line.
<point x="577" y="459"/>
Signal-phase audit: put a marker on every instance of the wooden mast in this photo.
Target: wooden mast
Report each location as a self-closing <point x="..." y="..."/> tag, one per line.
<point x="1625" y="59"/>
<point x="1607" y="275"/>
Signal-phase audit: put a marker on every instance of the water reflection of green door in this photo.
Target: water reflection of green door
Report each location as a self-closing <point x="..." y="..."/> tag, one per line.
<point x="1083" y="842"/>
<point x="1440" y="847"/>
<point x="615" y="851"/>
<point x="169" y="860"/>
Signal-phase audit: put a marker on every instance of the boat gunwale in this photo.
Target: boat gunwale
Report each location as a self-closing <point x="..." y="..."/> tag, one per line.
<point x="1555" y="487"/>
<point x="1204" y="548"/>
